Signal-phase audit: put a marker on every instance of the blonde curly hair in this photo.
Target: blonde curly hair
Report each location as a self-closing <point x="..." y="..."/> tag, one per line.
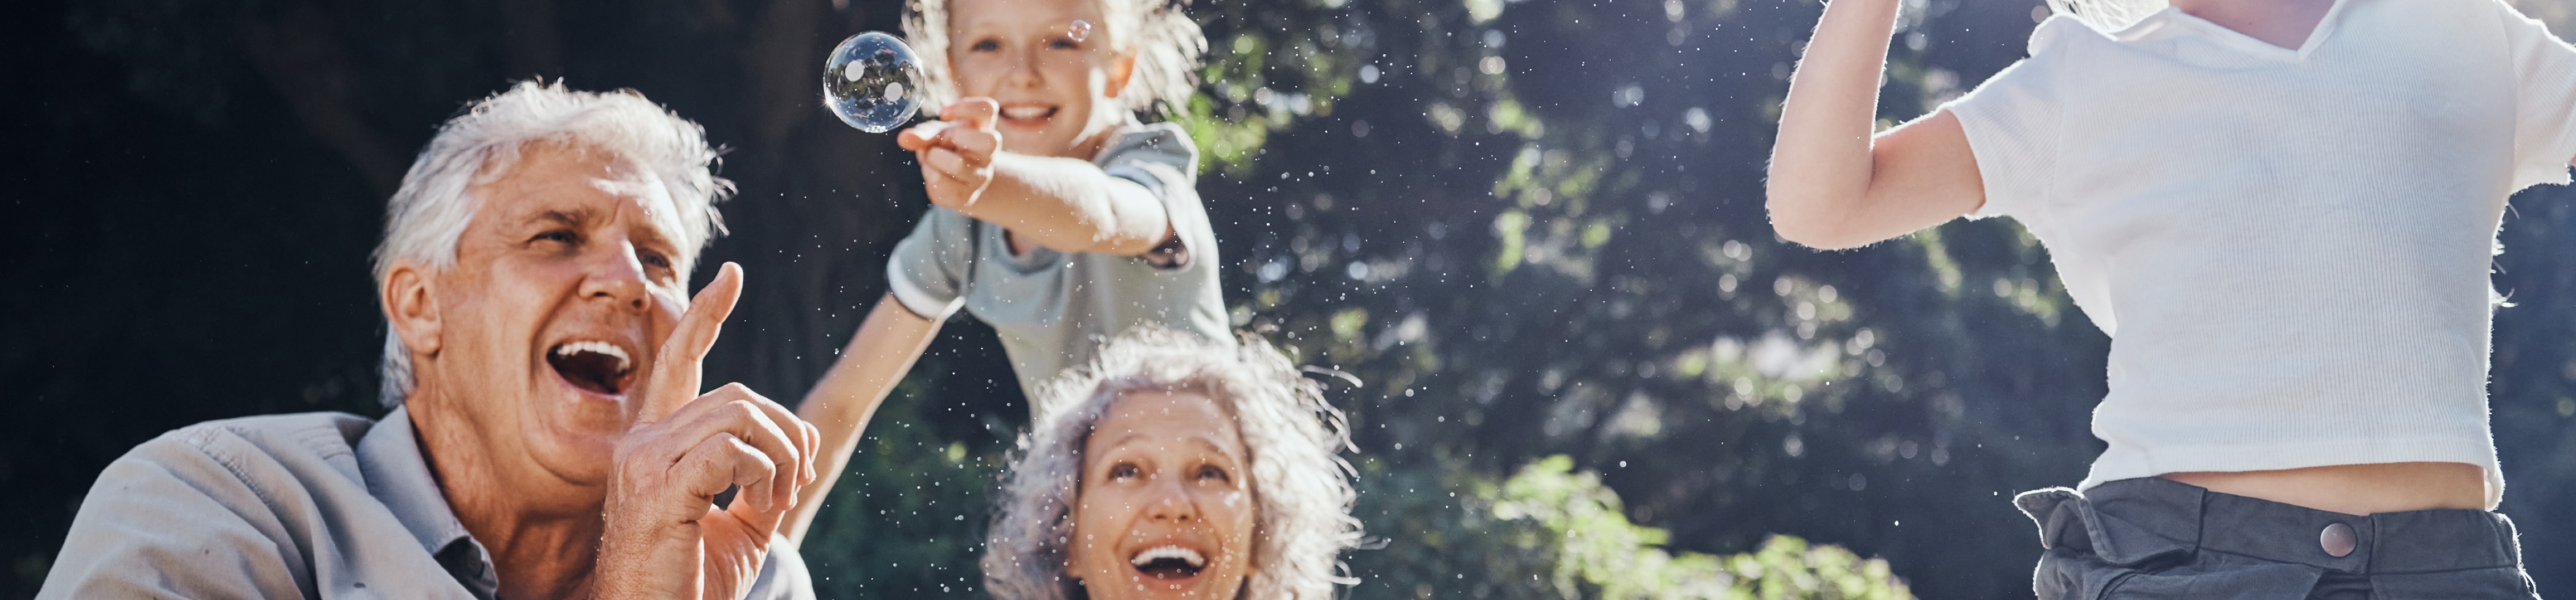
<point x="1293" y="439"/>
<point x="1166" y="42"/>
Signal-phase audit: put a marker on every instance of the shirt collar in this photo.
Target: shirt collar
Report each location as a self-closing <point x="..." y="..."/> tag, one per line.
<point x="398" y="476"/>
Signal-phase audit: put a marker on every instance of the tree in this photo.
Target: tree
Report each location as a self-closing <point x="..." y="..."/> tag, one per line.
<point x="1532" y="228"/>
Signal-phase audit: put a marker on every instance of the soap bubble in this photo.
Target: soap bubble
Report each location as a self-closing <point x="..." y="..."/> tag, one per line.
<point x="872" y="81"/>
<point x="1081" y="30"/>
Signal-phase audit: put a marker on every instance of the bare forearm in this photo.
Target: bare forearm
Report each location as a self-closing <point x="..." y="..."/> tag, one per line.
<point x="1821" y="164"/>
<point x="840" y="405"/>
<point x="1070" y="205"/>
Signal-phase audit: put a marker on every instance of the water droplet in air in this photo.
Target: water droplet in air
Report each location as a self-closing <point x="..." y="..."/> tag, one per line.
<point x="1081" y="30"/>
<point x="872" y="81"/>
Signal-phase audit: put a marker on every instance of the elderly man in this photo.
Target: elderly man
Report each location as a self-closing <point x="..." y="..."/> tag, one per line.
<point x="547" y="438"/>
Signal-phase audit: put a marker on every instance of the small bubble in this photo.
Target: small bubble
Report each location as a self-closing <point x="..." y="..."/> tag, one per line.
<point x="1079" y="31"/>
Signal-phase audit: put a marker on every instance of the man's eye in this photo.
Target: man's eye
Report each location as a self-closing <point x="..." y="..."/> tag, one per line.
<point x="558" y="236"/>
<point x="984" y="46"/>
<point x="653" y="259"/>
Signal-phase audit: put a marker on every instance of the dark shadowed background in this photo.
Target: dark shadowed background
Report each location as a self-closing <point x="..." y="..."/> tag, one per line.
<point x="1532" y="228"/>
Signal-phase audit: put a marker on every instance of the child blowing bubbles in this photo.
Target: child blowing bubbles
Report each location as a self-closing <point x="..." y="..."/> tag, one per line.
<point x="2283" y="211"/>
<point x="1059" y="219"/>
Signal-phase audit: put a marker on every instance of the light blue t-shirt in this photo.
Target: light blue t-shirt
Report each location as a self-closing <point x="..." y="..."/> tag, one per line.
<point x="1053" y="309"/>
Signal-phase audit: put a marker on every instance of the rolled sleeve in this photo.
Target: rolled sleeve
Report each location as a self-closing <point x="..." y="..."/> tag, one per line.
<point x="2545" y="100"/>
<point x="1161" y="159"/>
<point x="2011" y="122"/>
<point x="928" y="271"/>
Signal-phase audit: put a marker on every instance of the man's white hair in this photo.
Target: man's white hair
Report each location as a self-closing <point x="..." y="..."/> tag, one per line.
<point x="424" y="219"/>
<point x="1299" y="483"/>
<point x="1166" y="42"/>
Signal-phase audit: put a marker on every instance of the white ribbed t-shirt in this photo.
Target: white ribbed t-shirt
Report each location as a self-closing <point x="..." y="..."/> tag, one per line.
<point x="2289" y="247"/>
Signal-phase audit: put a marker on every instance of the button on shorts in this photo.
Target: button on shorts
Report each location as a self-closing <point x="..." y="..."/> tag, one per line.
<point x="2154" y="538"/>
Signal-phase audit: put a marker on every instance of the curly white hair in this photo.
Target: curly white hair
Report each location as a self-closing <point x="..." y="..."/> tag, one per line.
<point x="1299" y="482"/>
<point x="1166" y="42"/>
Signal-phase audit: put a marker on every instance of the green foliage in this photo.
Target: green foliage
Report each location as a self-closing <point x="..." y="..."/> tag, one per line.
<point x="1437" y="536"/>
<point x="1599" y="551"/>
<point x="907" y="518"/>
<point x="1539" y="232"/>
<point x="1269" y="65"/>
<point x="1533" y="228"/>
<point x="1548" y="532"/>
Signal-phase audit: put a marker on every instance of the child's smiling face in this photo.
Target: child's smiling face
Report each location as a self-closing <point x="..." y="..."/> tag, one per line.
<point x="1056" y="87"/>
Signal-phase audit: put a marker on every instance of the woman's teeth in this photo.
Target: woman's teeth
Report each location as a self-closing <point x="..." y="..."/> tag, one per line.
<point x="1185" y="555"/>
<point x="1027" y="112"/>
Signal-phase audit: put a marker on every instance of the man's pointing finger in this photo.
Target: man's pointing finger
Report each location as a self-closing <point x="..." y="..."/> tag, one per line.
<point x="676" y="367"/>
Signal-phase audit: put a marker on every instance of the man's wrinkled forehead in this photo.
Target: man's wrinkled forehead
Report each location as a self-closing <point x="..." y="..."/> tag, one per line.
<point x="634" y="182"/>
<point x="619" y="177"/>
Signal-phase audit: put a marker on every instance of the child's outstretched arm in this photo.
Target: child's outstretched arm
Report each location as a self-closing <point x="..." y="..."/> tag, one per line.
<point x="1833" y="184"/>
<point x="878" y="355"/>
<point x="1066" y="204"/>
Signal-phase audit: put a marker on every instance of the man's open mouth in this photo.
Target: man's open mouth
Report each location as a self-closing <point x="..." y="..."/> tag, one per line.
<point x="1168" y="562"/>
<point x="597" y="366"/>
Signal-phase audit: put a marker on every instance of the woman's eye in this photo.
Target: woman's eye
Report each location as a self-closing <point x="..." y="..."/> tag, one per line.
<point x="558" y="236"/>
<point x="1212" y="472"/>
<point x="1063" y="44"/>
<point x="1123" y="471"/>
<point x="984" y="46"/>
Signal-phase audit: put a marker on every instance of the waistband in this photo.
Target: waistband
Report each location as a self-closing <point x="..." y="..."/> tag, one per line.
<point x="2133" y="521"/>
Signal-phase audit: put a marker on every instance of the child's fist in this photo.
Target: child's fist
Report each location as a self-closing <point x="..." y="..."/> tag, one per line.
<point x="956" y="153"/>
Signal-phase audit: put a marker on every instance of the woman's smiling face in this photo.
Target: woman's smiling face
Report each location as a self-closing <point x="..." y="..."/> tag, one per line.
<point x="1046" y="63"/>
<point x="1166" y="510"/>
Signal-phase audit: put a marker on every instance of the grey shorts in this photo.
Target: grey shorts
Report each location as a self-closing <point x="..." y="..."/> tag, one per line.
<point x="2157" y="538"/>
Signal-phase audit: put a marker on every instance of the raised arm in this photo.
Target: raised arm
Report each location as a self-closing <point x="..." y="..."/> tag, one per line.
<point x="1832" y="183"/>
<point x="1066" y="204"/>
<point x="887" y="343"/>
<point x="1072" y="206"/>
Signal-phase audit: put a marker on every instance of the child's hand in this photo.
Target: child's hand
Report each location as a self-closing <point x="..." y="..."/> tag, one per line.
<point x="956" y="153"/>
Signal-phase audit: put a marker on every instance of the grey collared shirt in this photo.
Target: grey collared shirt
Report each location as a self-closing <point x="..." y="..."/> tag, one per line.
<point x="314" y="505"/>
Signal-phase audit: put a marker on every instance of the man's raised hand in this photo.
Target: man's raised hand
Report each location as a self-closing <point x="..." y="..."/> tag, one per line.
<point x="664" y="538"/>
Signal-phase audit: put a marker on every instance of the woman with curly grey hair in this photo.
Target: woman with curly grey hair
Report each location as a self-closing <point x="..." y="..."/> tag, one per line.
<point x="1174" y="467"/>
<point x="1059" y="216"/>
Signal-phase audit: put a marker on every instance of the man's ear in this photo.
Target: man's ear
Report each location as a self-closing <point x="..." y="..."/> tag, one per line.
<point x="1121" y="69"/>
<point x="411" y="308"/>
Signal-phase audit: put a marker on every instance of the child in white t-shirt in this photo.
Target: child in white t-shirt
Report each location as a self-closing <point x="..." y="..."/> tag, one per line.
<point x="1059" y="219"/>
<point x="2283" y="211"/>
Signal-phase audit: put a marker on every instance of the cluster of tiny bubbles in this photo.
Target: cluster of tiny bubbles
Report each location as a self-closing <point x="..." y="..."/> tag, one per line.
<point x="872" y="81"/>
